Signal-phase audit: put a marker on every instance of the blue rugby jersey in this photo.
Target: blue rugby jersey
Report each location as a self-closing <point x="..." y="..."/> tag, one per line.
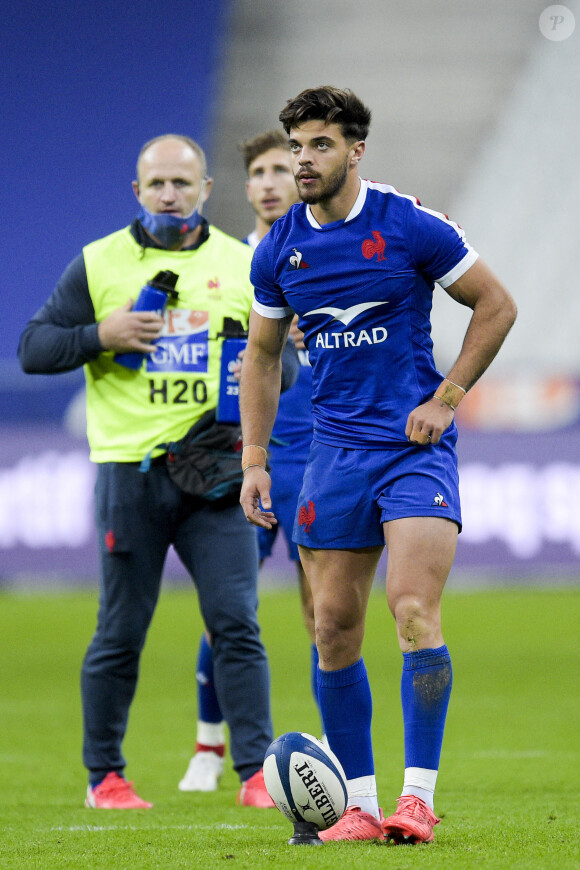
<point x="363" y="290"/>
<point x="293" y="426"/>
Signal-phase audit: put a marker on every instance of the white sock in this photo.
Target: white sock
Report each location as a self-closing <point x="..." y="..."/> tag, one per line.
<point x="362" y="792"/>
<point x="420" y="781"/>
<point x="211" y="733"/>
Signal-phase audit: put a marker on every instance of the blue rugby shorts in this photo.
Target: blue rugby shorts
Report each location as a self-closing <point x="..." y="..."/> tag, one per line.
<point x="347" y="494"/>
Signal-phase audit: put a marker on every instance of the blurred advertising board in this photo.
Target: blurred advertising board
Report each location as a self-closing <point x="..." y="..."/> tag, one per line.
<point x="519" y="463"/>
<point x="520" y="496"/>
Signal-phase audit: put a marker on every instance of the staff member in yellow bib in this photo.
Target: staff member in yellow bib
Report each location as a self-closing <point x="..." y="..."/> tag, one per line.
<point x="88" y="320"/>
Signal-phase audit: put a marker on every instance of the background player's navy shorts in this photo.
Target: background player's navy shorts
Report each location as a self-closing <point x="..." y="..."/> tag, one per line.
<point x="286" y="486"/>
<point x="348" y="494"/>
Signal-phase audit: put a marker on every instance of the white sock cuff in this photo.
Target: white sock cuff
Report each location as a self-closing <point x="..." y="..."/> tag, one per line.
<point x="211" y="733"/>
<point x="362" y="786"/>
<point x="420" y="777"/>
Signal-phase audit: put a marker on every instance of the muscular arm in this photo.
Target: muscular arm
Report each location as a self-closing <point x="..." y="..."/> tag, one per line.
<point x="259" y="394"/>
<point x="290" y="365"/>
<point x="494" y="312"/>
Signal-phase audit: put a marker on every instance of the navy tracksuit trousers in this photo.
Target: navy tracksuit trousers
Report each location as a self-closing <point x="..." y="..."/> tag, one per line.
<point x="138" y="517"/>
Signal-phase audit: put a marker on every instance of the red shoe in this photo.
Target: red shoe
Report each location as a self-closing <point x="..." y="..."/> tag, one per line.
<point x="412" y="823"/>
<point x="253" y="793"/>
<point x="115" y="793"/>
<point x="355" y="825"/>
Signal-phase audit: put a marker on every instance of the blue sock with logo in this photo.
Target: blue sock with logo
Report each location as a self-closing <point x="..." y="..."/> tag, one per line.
<point x="208" y="707"/>
<point x="346" y="707"/>
<point x="425" y="691"/>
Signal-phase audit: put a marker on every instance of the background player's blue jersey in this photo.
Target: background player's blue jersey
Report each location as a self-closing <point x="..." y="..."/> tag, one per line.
<point x="293" y="426"/>
<point x="363" y="290"/>
<point x="292" y="432"/>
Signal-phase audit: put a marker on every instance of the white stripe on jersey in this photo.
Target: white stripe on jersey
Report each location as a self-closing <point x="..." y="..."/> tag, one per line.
<point x="253" y="239"/>
<point x="388" y="188"/>
<point x="355" y="210"/>
<point x="460" y="269"/>
<point x="471" y="256"/>
<point x="272" y="313"/>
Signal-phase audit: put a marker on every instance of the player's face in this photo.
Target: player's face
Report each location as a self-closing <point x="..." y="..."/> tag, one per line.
<point x="321" y="158"/>
<point x="169" y="178"/>
<point x="270" y="187"/>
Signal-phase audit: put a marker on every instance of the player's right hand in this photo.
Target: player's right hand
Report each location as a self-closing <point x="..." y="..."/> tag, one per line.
<point x="427" y="423"/>
<point x="255" y="497"/>
<point x="126" y="330"/>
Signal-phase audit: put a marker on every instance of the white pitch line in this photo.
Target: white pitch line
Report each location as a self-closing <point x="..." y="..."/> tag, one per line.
<point x="99" y="828"/>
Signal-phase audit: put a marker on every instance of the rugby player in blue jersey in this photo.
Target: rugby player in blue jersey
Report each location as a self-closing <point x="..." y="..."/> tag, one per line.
<point x="357" y="261"/>
<point x="271" y="190"/>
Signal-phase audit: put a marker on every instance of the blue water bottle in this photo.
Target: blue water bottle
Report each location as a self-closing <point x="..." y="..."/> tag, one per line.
<point x="235" y="339"/>
<point x="154" y="296"/>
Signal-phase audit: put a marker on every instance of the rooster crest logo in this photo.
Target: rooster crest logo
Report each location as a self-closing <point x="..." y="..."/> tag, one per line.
<point x="306" y="516"/>
<point x="373" y="246"/>
<point x="439" y="500"/>
<point x="296" y="261"/>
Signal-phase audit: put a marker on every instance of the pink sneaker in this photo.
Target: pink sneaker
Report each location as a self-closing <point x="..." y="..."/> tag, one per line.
<point x="413" y="821"/>
<point x="355" y="825"/>
<point x="115" y="793"/>
<point x="253" y="793"/>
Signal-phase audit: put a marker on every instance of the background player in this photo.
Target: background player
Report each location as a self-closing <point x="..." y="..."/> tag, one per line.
<point x="88" y="319"/>
<point x="358" y="262"/>
<point x="271" y="190"/>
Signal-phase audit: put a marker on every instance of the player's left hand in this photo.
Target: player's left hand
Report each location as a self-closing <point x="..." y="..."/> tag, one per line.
<point x="256" y="490"/>
<point x="427" y="423"/>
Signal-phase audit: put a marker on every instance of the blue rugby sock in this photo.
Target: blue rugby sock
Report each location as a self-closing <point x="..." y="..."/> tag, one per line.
<point x="208" y="707"/>
<point x="425" y="690"/>
<point x="346" y="707"/>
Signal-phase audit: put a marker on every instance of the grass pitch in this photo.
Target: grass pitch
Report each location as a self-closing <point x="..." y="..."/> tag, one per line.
<point x="508" y="785"/>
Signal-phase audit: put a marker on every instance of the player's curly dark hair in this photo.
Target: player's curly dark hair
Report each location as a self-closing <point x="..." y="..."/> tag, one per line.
<point x="331" y="105"/>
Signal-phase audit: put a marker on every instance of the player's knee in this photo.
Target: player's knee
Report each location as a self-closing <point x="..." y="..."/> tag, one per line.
<point x="415" y="622"/>
<point x="338" y="637"/>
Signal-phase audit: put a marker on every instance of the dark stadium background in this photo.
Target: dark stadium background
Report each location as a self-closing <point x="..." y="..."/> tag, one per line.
<point x="85" y="84"/>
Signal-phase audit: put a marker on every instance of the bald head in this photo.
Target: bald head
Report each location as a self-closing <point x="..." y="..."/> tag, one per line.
<point x="174" y="144"/>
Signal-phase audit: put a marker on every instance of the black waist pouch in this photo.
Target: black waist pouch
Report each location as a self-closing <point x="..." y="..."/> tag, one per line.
<point x="206" y="462"/>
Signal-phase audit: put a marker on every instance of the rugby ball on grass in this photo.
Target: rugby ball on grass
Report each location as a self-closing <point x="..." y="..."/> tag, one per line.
<point x="305" y="780"/>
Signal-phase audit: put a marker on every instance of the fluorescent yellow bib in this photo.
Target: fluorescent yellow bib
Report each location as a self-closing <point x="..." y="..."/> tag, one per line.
<point x="129" y="412"/>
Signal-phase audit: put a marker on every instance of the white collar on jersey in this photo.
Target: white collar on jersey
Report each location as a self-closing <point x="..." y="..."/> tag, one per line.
<point x="355" y="210"/>
<point x="253" y="239"/>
